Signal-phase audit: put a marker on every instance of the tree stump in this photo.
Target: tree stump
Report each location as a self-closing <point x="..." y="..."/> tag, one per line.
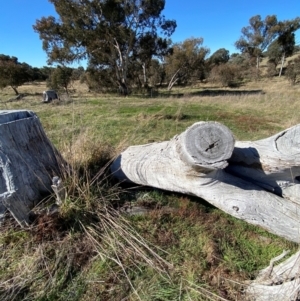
<point x="28" y="161"/>
<point x="195" y="163"/>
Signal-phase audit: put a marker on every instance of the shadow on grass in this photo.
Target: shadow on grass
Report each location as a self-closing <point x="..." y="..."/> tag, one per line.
<point x="201" y="92"/>
<point x="213" y="93"/>
<point x="171" y="198"/>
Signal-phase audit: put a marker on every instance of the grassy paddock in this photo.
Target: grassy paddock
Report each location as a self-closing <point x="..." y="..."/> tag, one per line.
<point x="183" y="249"/>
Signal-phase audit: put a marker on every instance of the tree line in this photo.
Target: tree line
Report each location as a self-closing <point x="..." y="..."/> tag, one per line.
<point x="127" y="45"/>
<point x="14" y="74"/>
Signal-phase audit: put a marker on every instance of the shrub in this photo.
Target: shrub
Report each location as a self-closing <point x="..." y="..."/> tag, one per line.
<point x="226" y="74"/>
<point x="293" y="70"/>
<point x="271" y="70"/>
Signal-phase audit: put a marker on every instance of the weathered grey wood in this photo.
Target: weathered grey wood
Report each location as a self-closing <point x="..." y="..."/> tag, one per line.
<point x="164" y="166"/>
<point x="28" y="161"/>
<point x="277" y="283"/>
<point x="203" y="147"/>
<point x="287" y="291"/>
<point x="272" y="163"/>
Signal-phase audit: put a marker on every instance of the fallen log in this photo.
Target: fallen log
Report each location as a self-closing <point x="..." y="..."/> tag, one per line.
<point x="28" y="162"/>
<point x="202" y="148"/>
<point x="171" y="165"/>
<point x="272" y="163"/>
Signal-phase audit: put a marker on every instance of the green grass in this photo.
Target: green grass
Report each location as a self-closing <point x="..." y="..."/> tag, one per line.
<point x="183" y="249"/>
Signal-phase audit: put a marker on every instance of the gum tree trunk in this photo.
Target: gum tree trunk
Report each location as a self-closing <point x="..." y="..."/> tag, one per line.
<point x="282" y="63"/>
<point x="28" y="161"/>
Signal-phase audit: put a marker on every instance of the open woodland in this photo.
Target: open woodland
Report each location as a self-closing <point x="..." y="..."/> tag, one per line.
<point x="177" y="247"/>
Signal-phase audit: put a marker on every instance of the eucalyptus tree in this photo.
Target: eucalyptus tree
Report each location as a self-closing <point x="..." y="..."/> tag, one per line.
<point x="257" y="36"/>
<point x="286" y="38"/>
<point x="157" y="72"/>
<point x="111" y="34"/>
<point x="60" y="78"/>
<point x="150" y="46"/>
<point x="261" y="33"/>
<point x="186" y="62"/>
<point x="274" y="53"/>
<point x="13" y="73"/>
<point x="221" y="56"/>
<point x="278" y="51"/>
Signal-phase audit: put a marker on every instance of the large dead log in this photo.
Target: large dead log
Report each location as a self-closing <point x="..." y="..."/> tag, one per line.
<point x="203" y="147"/>
<point x="28" y="161"/>
<point x="272" y="163"/>
<point x="167" y="165"/>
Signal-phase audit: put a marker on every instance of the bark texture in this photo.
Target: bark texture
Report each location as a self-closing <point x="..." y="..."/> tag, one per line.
<point x="28" y="161"/>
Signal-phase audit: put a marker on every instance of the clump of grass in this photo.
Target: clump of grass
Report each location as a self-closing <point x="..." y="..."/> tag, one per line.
<point x="49" y="261"/>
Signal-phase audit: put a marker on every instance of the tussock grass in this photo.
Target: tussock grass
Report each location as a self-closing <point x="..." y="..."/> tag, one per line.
<point x="52" y="259"/>
<point x="183" y="248"/>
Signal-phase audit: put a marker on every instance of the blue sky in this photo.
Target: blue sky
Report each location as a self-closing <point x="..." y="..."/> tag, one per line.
<point x="218" y="22"/>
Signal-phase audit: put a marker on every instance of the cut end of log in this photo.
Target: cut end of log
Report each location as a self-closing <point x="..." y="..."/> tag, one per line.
<point x="207" y="143"/>
<point x="14" y="115"/>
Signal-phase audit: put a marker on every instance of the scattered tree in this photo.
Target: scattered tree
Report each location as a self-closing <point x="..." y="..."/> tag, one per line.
<point x="221" y="56"/>
<point x="293" y="70"/>
<point x="261" y="33"/>
<point x="37" y="74"/>
<point x="297" y="48"/>
<point x="157" y="73"/>
<point x="237" y="59"/>
<point x="226" y="74"/>
<point x="186" y="61"/>
<point x="113" y="35"/>
<point x="77" y="73"/>
<point x="98" y="79"/>
<point x="46" y="71"/>
<point x="274" y="53"/>
<point x="13" y="73"/>
<point x="61" y="77"/>
<point x="286" y="39"/>
<point x="257" y="36"/>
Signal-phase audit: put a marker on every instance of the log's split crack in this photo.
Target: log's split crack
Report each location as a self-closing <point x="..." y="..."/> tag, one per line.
<point x="212" y="145"/>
